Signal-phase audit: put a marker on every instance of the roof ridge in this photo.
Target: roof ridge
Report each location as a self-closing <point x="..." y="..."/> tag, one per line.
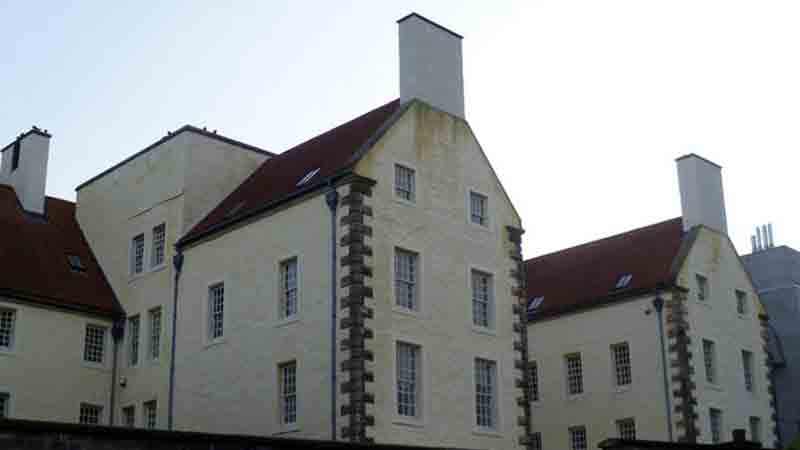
<point x="604" y="239"/>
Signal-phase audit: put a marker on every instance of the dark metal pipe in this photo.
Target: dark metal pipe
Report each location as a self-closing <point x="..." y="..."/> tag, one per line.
<point x="177" y="262"/>
<point x="658" y="304"/>
<point x="332" y="199"/>
<point x="117" y="332"/>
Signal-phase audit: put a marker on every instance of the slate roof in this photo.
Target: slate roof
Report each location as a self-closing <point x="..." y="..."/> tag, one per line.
<point x="586" y="276"/>
<point x="33" y="258"/>
<point x="275" y="181"/>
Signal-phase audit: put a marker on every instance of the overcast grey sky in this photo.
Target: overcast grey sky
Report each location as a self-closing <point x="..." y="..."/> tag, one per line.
<point x="581" y="106"/>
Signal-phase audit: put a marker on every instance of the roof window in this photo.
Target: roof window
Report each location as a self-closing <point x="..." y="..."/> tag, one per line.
<point x="624" y="281"/>
<point x="75" y="263"/>
<point x="534" y="304"/>
<point x="307" y="177"/>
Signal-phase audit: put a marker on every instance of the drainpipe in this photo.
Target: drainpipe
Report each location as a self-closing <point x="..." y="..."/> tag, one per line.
<point x="117" y="332"/>
<point x="332" y="199"/>
<point x="177" y="262"/>
<point x="658" y="304"/>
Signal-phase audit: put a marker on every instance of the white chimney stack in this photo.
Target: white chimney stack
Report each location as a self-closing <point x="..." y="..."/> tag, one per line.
<point x="25" y="168"/>
<point x="431" y="68"/>
<point x="702" y="199"/>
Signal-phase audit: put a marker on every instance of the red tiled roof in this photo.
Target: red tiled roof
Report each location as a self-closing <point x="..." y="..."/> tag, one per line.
<point x="276" y="179"/>
<point x="33" y="257"/>
<point x="585" y="276"/>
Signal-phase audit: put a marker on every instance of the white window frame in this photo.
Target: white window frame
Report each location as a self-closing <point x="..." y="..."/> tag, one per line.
<point x="154" y="334"/>
<point x="103" y="350"/>
<point x="134" y="340"/>
<point x="284" y="396"/>
<point x="748" y="371"/>
<point x="702" y="289"/>
<point x="150" y="414"/>
<point x="210" y="319"/>
<point x="12" y="334"/>
<point x="100" y="410"/>
<point x="487" y="209"/>
<point x="412" y="190"/>
<point x="575" y="432"/>
<point x="622" y="368"/>
<point x="283" y="314"/>
<point x="710" y="367"/>
<point x="621" y="425"/>
<point x="494" y="399"/>
<point x="567" y="375"/>
<point x="742" y="306"/>
<point x="417" y="282"/>
<point x="133" y="256"/>
<point x="418" y="402"/>
<point x="716" y="435"/>
<point x="124" y="415"/>
<point x="492" y="302"/>
<point x="154" y="249"/>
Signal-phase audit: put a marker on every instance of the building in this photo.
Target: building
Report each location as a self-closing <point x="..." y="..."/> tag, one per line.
<point x="56" y="308"/>
<point x="655" y="333"/>
<point x="358" y="286"/>
<point x="776" y="274"/>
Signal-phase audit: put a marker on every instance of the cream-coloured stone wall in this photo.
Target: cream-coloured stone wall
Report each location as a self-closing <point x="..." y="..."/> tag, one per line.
<point x="45" y="339"/>
<point x="592" y="333"/>
<point x="716" y="319"/>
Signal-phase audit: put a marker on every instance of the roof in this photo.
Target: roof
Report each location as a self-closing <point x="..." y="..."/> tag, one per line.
<point x="170" y="136"/>
<point x="276" y="180"/>
<point x="586" y="276"/>
<point x="33" y="258"/>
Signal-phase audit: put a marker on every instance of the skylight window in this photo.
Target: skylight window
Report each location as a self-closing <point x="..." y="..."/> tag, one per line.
<point x="534" y="304"/>
<point x="307" y="177"/>
<point x="624" y="281"/>
<point x="75" y="263"/>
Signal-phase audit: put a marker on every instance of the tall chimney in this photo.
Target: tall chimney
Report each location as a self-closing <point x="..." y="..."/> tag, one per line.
<point x="25" y="168"/>
<point x="702" y="199"/>
<point x="430" y="64"/>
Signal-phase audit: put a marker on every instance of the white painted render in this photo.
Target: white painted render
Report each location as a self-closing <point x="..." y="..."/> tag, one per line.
<point x="702" y="198"/>
<point x="44" y="372"/>
<point x="30" y="176"/>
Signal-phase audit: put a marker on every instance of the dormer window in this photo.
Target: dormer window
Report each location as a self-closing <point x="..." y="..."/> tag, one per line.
<point x="623" y="281"/>
<point x="307" y="177"/>
<point x="75" y="263"/>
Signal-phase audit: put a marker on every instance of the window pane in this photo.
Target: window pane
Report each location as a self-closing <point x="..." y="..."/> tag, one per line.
<point x="137" y="254"/>
<point x="626" y="429"/>
<point x="755" y="429"/>
<point x="747" y="366"/>
<point x="709" y="360"/>
<point x="577" y="438"/>
<point x="485" y="393"/>
<point x="622" y="363"/>
<point x="7" y="319"/>
<point x="155" y="333"/>
<point x="159" y="238"/>
<point x="289" y="288"/>
<point x="715" y="417"/>
<point x="405" y="276"/>
<point x="288" y="393"/>
<point x="5" y="399"/>
<point x="94" y="345"/>
<point x="216" y="295"/>
<point x="477" y="204"/>
<point x="407" y="379"/>
<point x="481" y="299"/>
<point x="741" y="302"/>
<point x="129" y="416"/>
<point x="702" y="287"/>
<point x="90" y="414"/>
<point x="150" y="414"/>
<point x="133" y="340"/>
<point x="536" y="443"/>
<point x="404" y="182"/>
<point x="533" y="381"/>
<point x="574" y="374"/>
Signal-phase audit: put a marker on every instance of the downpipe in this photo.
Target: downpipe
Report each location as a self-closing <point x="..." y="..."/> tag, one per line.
<point x="332" y="199"/>
<point x="177" y="262"/>
<point x="658" y="304"/>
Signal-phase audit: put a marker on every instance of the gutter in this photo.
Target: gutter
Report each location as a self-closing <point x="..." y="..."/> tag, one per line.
<point x="658" y="304"/>
<point x="177" y="262"/>
<point x="332" y="199"/>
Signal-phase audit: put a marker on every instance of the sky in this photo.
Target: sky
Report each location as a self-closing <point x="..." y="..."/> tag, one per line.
<point x="581" y="106"/>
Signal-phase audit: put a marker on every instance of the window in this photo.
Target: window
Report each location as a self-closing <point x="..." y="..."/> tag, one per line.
<point x="5" y="400"/>
<point x="747" y="367"/>
<point x="289" y="288"/>
<point x="95" y="344"/>
<point x="482" y="301"/>
<point x="7" y="320"/>
<point x="90" y="414"/>
<point x="741" y="302"/>
<point x="288" y="393"/>
<point x="307" y="177"/>
<point x="155" y="333"/>
<point x="536" y="441"/>
<point x="621" y="356"/>
<point x="75" y="263"/>
<point x="702" y="287"/>
<point x="150" y="412"/>
<point x="137" y="254"/>
<point x="405" y="279"/>
<point x="129" y="416"/>
<point x="15" y="156"/>
<point x="715" y="419"/>
<point x="755" y="429"/>
<point x="407" y="379"/>
<point x="577" y="438"/>
<point x="216" y="310"/>
<point x="404" y="184"/>
<point x="710" y="361"/>
<point x="623" y="281"/>
<point x="133" y="340"/>
<point x="533" y="381"/>
<point x="485" y="392"/>
<point x="534" y="304"/>
<point x="626" y="429"/>
<point x="477" y="209"/>
<point x="574" y="374"/>
<point x="159" y="240"/>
